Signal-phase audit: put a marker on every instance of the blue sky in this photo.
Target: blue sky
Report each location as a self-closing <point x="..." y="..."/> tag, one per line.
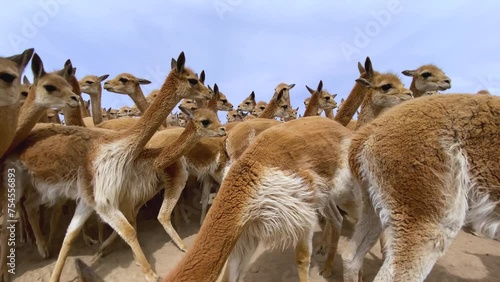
<point x="246" y="46"/>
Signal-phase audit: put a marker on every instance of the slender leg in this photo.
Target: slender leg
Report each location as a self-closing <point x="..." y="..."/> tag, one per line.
<point x="239" y="259"/>
<point x="32" y="206"/>
<point x="54" y="220"/>
<point x="383" y="247"/>
<point x="205" y="196"/>
<point x="332" y="251"/>
<point x="171" y="196"/>
<point x="82" y="213"/>
<point x="303" y="252"/>
<point x="366" y="232"/>
<point x="104" y="246"/>
<point x="118" y="222"/>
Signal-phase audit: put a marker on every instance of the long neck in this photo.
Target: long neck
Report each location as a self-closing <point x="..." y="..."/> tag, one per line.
<point x="312" y="107"/>
<point x="73" y="116"/>
<point x="139" y="99"/>
<point x="270" y="110"/>
<point x="368" y="112"/>
<point x="29" y="116"/>
<point x="8" y="126"/>
<point x="413" y="87"/>
<point x="329" y="113"/>
<point x="181" y="146"/>
<point x="95" y="100"/>
<point x="221" y="229"/>
<point x="212" y="104"/>
<point x="83" y="110"/>
<point x="351" y="104"/>
<point x="155" y="115"/>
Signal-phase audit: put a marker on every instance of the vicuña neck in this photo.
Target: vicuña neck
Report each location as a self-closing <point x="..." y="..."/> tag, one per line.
<point x="329" y="113"/>
<point x="201" y="103"/>
<point x="313" y="106"/>
<point x="351" y="104"/>
<point x="154" y="116"/>
<point x="73" y="116"/>
<point x="139" y="99"/>
<point x="416" y="93"/>
<point x="368" y="112"/>
<point x="95" y="103"/>
<point x="270" y="110"/>
<point x="181" y="146"/>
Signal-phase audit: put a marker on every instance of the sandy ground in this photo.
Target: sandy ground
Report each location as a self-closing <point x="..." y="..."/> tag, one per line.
<point x="470" y="258"/>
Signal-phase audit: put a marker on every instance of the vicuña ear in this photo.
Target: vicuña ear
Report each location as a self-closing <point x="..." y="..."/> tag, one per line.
<point x="173" y="64"/>
<point x="103" y="77"/>
<point x="334" y="95"/>
<point x="252" y="95"/>
<point x="187" y="112"/>
<point x="369" y="67"/>
<point x="280" y="95"/>
<point x="26" y="80"/>
<point x="22" y="59"/>
<point x="68" y="70"/>
<point x="180" y="62"/>
<point x="290" y="86"/>
<point x="320" y="86"/>
<point x="364" y="82"/>
<point x="143" y="81"/>
<point x="408" y="72"/>
<point x="310" y="90"/>
<point x="202" y="77"/>
<point x="37" y="67"/>
<point x="361" y="69"/>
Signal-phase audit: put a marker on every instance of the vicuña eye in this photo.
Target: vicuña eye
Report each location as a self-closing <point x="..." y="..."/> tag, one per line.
<point x="123" y="79"/>
<point x="24" y="93"/>
<point x="205" y="122"/>
<point x="386" y="87"/>
<point x="89" y="82"/>
<point x="426" y="74"/>
<point x="50" y="88"/>
<point x="7" y="77"/>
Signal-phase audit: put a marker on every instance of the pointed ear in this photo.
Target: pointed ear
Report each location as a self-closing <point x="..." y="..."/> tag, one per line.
<point x="180" y="62"/>
<point x="252" y="95"/>
<point x="364" y="82"/>
<point x="37" y="67"/>
<point x="334" y="95"/>
<point x="408" y="72"/>
<point x="310" y="90"/>
<point x="291" y="86"/>
<point x="216" y="89"/>
<point x="361" y="69"/>
<point x="173" y="64"/>
<point x="320" y="86"/>
<point x="300" y="115"/>
<point x="26" y="80"/>
<point x="210" y="88"/>
<point x="280" y="95"/>
<point x="342" y="100"/>
<point x="187" y="112"/>
<point x="68" y="70"/>
<point x="103" y="77"/>
<point x="22" y="59"/>
<point x="143" y="81"/>
<point x="202" y="77"/>
<point x="297" y="109"/>
<point x="369" y="67"/>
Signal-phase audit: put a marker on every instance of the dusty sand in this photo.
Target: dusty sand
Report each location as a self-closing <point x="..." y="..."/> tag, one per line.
<point x="470" y="258"/>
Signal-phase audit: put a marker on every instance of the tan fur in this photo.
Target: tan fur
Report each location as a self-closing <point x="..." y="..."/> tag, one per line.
<point x="91" y="84"/>
<point x="425" y="168"/>
<point x="248" y="105"/>
<point x="427" y="78"/>
<point x="24" y="89"/>
<point x="277" y="107"/>
<point x="259" y="108"/>
<point x="53" y="116"/>
<point x="247" y="210"/>
<point x="483" y="92"/>
<point x="356" y="96"/>
<point x="11" y="69"/>
<point x="100" y="167"/>
<point x="234" y="116"/>
<point x="128" y="84"/>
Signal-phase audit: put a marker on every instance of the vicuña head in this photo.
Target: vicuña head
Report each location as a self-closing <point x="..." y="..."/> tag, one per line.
<point x="124" y="83"/>
<point x="91" y="84"/>
<point x="248" y="105"/>
<point x="427" y="78"/>
<point x="259" y="108"/>
<point x="52" y="89"/>
<point x="11" y="69"/>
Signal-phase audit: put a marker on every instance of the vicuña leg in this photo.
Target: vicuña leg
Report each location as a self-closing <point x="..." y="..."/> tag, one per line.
<point x="205" y="196"/>
<point x="32" y="205"/>
<point x="172" y="193"/>
<point x="366" y="232"/>
<point x="239" y="260"/>
<point x="82" y="213"/>
<point x="55" y="216"/>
